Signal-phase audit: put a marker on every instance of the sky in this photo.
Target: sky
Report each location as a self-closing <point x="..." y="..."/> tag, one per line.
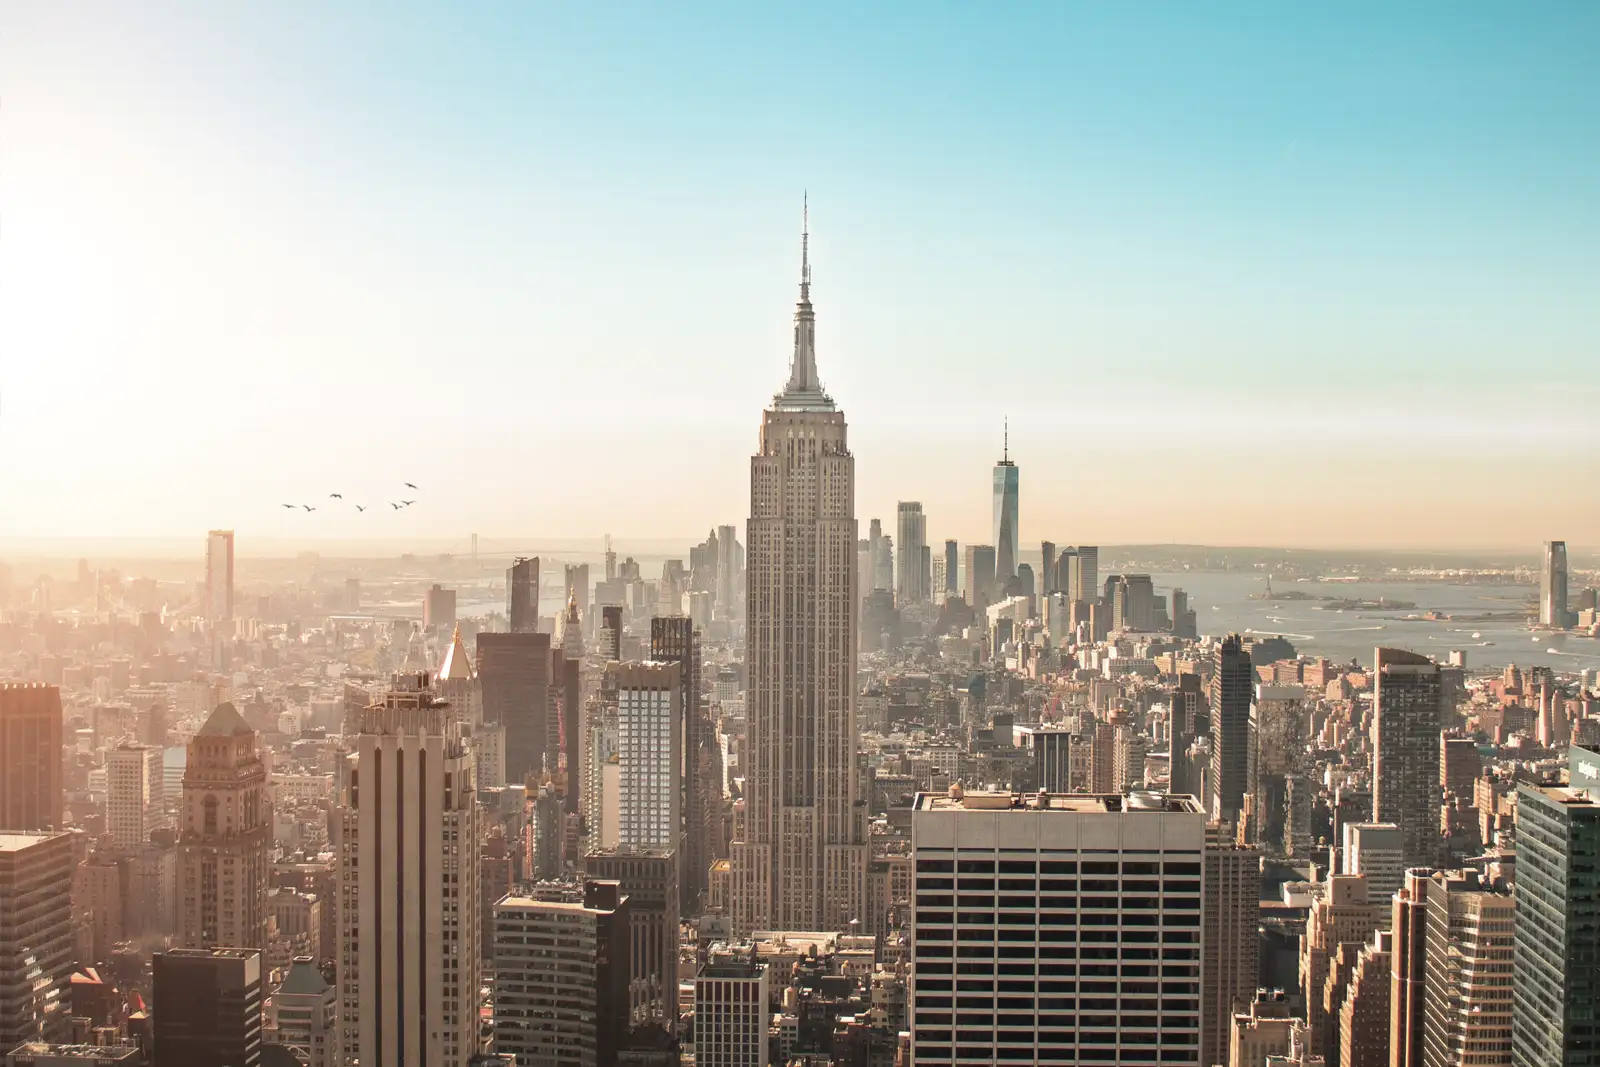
<point x="1240" y="274"/>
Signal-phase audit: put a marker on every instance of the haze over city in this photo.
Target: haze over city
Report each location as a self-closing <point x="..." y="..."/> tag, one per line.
<point x="815" y="536"/>
<point x="1319" y="280"/>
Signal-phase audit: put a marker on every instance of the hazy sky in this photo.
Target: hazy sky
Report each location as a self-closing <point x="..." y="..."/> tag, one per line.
<point x="1237" y="274"/>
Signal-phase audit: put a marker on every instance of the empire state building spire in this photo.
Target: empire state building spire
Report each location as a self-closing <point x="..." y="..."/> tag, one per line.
<point x="804" y="391"/>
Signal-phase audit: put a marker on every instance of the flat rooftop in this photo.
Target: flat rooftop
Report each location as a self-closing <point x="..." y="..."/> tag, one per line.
<point x="1083" y="803"/>
<point x="18" y="842"/>
<point x="37" y="1049"/>
<point x="1567" y="796"/>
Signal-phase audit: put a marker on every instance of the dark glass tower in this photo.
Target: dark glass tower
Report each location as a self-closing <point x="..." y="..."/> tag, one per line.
<point x="1231" y="687"/>
<point x="522" y="595"/>
<point x="1408" y="718"/>
<point x="1555" y="994"/>
<point x="208" y="1006"/>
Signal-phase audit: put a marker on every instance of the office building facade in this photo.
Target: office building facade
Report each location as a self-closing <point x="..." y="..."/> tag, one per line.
<point x="1006" y="488"/>
<point x="1556" y="960"/>
<point x="1232" y="687"/>
<point x="1407" y="720"/>
<point x="31" y="790"/>
<point x="37" y="947"/>
<point x="649" y="882"/>
<point x="1553" y="586"/>
<point x="1056" y="930"/>
<point x="730" y="1010"/>
<point x="219" y="577"/>
<point x="911" y="580"/>
<point x="522" y="595"/>
<point x="1230" y="938"/>
<point x="208" y="1007"/>
<point x="650" y="757"/>
<point x="561" y="976"/>
<point x="406" y="838"/>
<point x="135" y="793"/>
<point x="514" y="677"/>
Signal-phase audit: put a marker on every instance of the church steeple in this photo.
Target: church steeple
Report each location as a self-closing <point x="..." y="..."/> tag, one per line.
<point x="804" y="390"/>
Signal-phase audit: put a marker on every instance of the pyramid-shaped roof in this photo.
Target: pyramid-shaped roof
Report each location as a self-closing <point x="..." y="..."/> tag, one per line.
<point x="303" y="979"/>
<point x="225" y="722"/>
<point x="457" y="664"/>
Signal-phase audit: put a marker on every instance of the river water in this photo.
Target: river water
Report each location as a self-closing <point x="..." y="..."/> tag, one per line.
<point x="1222" y="604"/>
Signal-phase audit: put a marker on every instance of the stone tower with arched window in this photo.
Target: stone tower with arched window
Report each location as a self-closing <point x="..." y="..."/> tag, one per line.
<point x="224" y="838"/>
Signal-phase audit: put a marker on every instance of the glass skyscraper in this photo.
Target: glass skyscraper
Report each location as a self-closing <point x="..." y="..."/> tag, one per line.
<point x="1555" y="992"/>
<point x="1005" y="520"/>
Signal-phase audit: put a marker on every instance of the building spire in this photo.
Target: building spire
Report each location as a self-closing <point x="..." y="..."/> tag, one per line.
<point x="804" y="390"/>
<point x="1005" y="446"/>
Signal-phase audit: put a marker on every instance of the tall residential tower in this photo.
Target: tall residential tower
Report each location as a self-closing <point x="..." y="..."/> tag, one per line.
<point x="799" y="858"/>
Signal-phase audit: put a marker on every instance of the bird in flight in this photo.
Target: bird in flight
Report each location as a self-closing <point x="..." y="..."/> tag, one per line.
<point x="360" y="508"/>
<point x="410" y="486"/>
<point x="408" y="503"/>
<point x="308" y="507"/>
<point x="290" y="506"/>
<point x="392" y="504"/>
<point x="335" y="496"/>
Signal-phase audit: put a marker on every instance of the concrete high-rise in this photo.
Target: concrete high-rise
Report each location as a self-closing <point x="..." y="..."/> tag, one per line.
<point x="1553" y="586"/>
<point x="1407" y="719"/>
<point x="30" y="757"/>
<point x="1038" y="877"/>
<point x="37" y="948"/>
<point x="799" y="861"/>
<point x="730" y="1010"/>
<point x="514" y="675"/>
<point x="224" y="837"/>
<point x="1343" y="916"/>
<point x="135" y="793"/>
<point x="1005" y="516"/>
<point x="649" y="881"/>
<point x="649" y="756"/>
<point x="1083" y="573"/>
<point x="1556" y="973"/>
<point x="1047" y="568"/>
<point x="1376" y="850"/>
<point x="522" y="595"/>
<point x="910" y="583"/>
<point x="1230" y="938"/>
<point x="406" y="835"/>
<point x="980" y="575"/>
<point x="208" y="1007"/>
<point x="1364" y="1016"/>
<point x="219" y="576"/>
<point x="1468" y="975"/>
<point x="561" y="976"/>
<point x="674" y="639"/>
<point x="952" y="568"/>
<point x="730" y="567"/>
<point x="1232" y="687"/>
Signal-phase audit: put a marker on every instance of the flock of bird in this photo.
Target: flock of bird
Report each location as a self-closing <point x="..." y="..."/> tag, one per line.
<point x="359" y="507"/>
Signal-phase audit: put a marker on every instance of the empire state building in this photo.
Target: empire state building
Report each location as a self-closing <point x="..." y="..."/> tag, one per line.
<point x="799" y="855"/>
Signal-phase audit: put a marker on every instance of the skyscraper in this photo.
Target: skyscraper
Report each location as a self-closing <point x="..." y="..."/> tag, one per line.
<point x="1230" y="941"/>
<point x="1342" y="916"/>
<point x="1023" y="867"/>
<point x="1376" y="850"/>
<point x="135" y="793"/>
<point x="577" y="588"/>
<point x="650" y="756"/>
<point x="219" y="576"/>
<point x="208" y="1007"/>
<point x="30" y="757"/>
<point x="1468" y="976"/>
<point x="522" y="595"/>
<point x="1232" y="684"/>
<point x="224" y="838"/>
<point x="730" y="1010"/>
<point x="1047" y="567"/>
<point x="800" y="858"/>
<point x="910" y="583"/>
<point x="1553" y="586"/>
<point x="514" y="675"/>
<point x="1407" y="719"/>
<point x="561" y="976"/>
<point x="980" y="575"/>
<point x="406" y="834"/>
<point x="730" y="564"/>
<point x="1005" y="516"/>
<point x="1082" y="579"/>
<point x="37" y="950"/>
<point x="952" y="567"/>
<point x="649" y="881"/>
<point x="674" y="639"/>
<point x="1556" y="966"/>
